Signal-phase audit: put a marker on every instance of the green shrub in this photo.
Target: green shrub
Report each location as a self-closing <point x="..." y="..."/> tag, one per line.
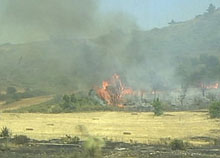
<point x="55" y="109"/>
<point x="177" y="144"/>
<point x="5" y="132"/>
<point x="214" y="110"/>
<point x="78" y="100"/>
<point x="21" y="139"/>
<point x="158" y="109"/>
<point x="93" y="147"/>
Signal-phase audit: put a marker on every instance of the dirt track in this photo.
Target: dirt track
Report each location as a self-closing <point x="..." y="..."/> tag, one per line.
<point x="24" y="103"/>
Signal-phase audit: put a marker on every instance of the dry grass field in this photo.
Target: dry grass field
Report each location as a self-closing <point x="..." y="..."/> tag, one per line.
<point x="119" y="126"/>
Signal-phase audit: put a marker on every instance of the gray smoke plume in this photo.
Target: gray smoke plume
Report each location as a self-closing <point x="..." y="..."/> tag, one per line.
<point x="40" y="19"/>
<point x="32" y="20"/>
<point x="78" y="45"/>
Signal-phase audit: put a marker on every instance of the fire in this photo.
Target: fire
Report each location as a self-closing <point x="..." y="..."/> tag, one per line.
<point x="113" y="91"/>
<point x="213" y="86"/>
<point x="210" y="86"/>
<point x="105" y="85"/>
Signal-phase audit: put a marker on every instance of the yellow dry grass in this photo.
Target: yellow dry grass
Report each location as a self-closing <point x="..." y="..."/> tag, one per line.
<point x="143" y="127"/>
<point x="24" y="103"/>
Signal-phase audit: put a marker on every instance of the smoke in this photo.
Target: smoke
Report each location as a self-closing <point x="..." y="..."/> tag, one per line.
<point x="80" y="44"/>
<point x="40" y="19"/>
<point x="34" y="20"/>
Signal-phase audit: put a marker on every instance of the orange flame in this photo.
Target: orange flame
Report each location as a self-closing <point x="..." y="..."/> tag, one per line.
<point x="113" y="91"/>
<point x="211" y="86"/>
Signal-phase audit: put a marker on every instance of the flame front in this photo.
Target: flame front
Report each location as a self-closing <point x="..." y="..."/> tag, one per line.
<point x="213" y="86"/>
<point x="210" y="86"/>
<point x="113" y="91"/>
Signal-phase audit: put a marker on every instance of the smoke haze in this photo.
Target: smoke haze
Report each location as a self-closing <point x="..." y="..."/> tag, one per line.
<point x="32" y="20"/>
<point x="71" y="45"/>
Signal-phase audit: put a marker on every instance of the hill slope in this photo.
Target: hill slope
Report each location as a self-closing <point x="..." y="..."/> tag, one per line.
<point x="62" y="65"/>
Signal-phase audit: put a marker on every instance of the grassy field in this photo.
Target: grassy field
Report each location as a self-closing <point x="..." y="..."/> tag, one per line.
<point x="119" y="126"/>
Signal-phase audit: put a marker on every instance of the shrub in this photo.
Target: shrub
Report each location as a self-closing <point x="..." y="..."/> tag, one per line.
<point x="214" y="110"/>
<point x="55" y="109"/>
<point x="21" y="139"/>
<point x="212" y="97"/>
<point x="216" y="141"/>
<point x="177" y="144"/>
<point x="71" y="140"/>
<point x="93" y="147"/>
<point x="5" y="132"/>
<point x="158" y="109"/>
<point x="4" y="146"/>
<point x="78" y="101"/>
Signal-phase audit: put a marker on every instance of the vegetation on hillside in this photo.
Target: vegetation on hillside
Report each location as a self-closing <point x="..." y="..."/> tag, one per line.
<point x="199" y="72"/>
<point x="13" y="95"/>
<point x="66" y="65"/>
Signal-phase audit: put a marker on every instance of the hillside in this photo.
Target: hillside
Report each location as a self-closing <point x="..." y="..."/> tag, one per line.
<point x="80" y="64"/>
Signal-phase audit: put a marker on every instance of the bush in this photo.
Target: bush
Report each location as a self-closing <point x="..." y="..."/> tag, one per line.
<point x="158" y="109"/>
<point x="93" y="147"/>
<point x="55" y="109"/>
<point x="71" y="140"/>
<point x="212" y="97"/>
<point x="78" y="100"/>
<point x="214" y="110"/>
<point x="216" y="141"/>
<point x="177" y="144"/>
<point x="5" y="132"/>
<point x="21" y="139"/>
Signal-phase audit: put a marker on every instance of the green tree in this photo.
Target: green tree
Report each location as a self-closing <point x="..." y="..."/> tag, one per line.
<point x="158" y="109"/>
<point x="67" y="101"/>
<point x="211" y="9"/>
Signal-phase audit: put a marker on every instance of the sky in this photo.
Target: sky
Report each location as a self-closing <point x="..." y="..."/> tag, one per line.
<point x="36" y="20"/>
<point x="157" y="13"/>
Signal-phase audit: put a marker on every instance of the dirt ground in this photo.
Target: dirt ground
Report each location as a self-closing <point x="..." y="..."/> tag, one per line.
<point x="24" y="103"/>
<point x="47" y="149"/>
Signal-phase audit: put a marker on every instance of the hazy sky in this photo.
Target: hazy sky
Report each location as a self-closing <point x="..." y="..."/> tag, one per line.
<point x="33" y="20"/>
<point x="157" y="13"/>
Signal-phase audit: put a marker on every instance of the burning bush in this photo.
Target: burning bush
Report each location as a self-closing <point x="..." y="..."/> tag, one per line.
<point x="113" y="91"/>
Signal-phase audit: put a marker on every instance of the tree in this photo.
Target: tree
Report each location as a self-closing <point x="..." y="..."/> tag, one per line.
<point x="158" y="109"/>
<point x="198" y="72"/>
<point x="172" y="22"/>
<point x="183" y="75"/>
<point x="211" y="9"/>
<point x="67" y="101"/>
<point x="156" y="83"/>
